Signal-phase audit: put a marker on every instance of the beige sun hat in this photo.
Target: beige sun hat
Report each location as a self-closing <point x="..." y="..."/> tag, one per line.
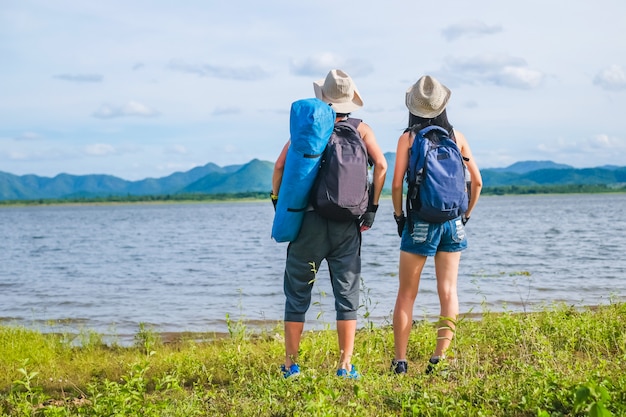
<point x="427" y="97"/>
<point x="338" y="90"/>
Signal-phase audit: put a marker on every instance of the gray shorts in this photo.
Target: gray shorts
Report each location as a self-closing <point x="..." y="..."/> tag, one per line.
<point x="337" y="242"/>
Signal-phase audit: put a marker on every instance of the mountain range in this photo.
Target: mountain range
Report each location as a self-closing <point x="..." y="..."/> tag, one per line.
<point x="256" y="176"/>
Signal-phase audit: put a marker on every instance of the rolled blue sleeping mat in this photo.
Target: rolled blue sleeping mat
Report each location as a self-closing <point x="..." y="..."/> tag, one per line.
<point x="311" y="123"/>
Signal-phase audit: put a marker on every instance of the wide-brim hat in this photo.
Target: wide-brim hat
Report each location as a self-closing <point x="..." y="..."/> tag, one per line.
<point x="338" y="90"/>
<point x="427" y="97"/>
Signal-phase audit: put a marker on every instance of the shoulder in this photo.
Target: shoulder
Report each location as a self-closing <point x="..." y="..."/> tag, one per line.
<point x="462" y="144"/>
<point x="405" y="141"/>
<point x="365" y="130"/>
<point x="354" y="121"/>
<point x="283" y="153"/>
<point x="459" y="138"/>
<point x="458" y="134"/>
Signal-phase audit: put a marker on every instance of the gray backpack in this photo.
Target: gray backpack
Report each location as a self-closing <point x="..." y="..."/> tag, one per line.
<point x="341" y="188"/>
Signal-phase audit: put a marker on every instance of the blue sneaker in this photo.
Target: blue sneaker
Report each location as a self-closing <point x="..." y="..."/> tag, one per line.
<point x="353" y="374"/>
<point x="292" y="371"/>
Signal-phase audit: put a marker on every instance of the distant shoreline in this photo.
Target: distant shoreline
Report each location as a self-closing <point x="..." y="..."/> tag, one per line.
<point x="260" y="196"/>
<point x="158" y="199"/>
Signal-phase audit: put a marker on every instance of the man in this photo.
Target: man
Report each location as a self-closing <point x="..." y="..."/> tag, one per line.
<point x="339" y="242"/>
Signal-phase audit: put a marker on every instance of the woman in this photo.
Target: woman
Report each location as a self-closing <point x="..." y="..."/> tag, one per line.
<point x="426" y="101"/>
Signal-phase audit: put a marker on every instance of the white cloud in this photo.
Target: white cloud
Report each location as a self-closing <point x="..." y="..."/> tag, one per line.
<point x="99" y="149"/>
<point x="319" y="65"/>
<point x="17" y="155"/>
<point x="132" y="108"/>
<point x="518" y="77"/>
<point x="469" y="28"/>
<point x="224" y="111"/>
<point x="179" y="149"/>
<point x="28" y="136"/>
<point x="315" y="65"/>
<point x="484" y="63"/>
<point x="35" y="153"/>
<point x="596" y="150"/>
<point x="612" y="78"/>
<point x="250" y="73"/>
<point x="607" y="142"/>
<point x="499" y="69"/>
<point x="80" y="78"/>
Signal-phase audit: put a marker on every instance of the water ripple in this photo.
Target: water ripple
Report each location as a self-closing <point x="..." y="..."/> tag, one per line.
<point x="186" y="267"/>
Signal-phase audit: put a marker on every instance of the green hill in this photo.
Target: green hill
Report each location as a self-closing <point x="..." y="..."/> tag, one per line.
<point x="256" y="176"/>
<point x="207" y="179"/>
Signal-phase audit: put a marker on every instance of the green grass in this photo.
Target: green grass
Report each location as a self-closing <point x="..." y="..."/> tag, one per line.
<point x="561" y="361"/>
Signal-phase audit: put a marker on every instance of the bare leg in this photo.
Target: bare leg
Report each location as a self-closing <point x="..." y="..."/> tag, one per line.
<point x="346" y="330"/>
<point x="411" y="267"/>
<point x="293" y="334"/>
<point x="447" y="271"/>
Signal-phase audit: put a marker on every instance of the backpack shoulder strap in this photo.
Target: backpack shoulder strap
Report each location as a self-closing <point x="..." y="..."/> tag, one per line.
<point x="354" y="122"/>
<point x="433" y="128"/>
<point x="346" y="130"/>
<point x="349" y="124"/>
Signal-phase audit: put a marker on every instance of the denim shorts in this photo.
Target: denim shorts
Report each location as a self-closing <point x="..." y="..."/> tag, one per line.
<point x="429" y="238"/>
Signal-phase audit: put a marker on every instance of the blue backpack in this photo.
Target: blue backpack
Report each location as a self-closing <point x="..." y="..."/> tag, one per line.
<point x="437" y="190"/>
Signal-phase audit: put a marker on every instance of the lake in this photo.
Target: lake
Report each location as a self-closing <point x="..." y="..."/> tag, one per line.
<point x="192" y="267"/>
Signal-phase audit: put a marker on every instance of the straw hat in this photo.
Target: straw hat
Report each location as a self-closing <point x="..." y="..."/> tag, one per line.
<point x="427" y="97"/>
<point x="339" y="91"/>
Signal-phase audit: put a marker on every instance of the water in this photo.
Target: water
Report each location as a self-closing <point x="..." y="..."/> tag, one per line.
<point x="187" y="267"/>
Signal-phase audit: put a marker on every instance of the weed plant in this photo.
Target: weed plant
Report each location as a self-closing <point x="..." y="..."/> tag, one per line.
<point x="561" y="361"/>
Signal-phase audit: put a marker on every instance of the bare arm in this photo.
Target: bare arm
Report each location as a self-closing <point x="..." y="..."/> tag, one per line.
<point x="378" y="158"/>
<point x="472" y="167"/>
<point x="279" y="168"/>
<point x="402" y="162"/>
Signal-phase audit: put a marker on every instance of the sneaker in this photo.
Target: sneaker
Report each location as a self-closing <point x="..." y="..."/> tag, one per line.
<point x="432" y="364"/>
<point x="399" y="367"/>
<point x="292" y="371"/>
<point x="353" y="374"/>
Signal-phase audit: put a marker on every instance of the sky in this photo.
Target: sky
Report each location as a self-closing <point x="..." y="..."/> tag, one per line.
<point x="142" y="89"/>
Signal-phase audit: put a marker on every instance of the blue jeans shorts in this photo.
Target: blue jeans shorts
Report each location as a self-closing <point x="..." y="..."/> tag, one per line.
<point x="429" y="238"/>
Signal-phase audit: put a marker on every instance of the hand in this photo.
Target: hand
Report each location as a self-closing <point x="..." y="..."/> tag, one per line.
<point x="367" y="220"/>
<point x="400" y="221"/>
<point x="464" y="219"/>
<point x="274" y="199"/>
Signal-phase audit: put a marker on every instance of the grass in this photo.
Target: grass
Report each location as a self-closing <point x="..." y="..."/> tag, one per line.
<point x="561" y="361"/>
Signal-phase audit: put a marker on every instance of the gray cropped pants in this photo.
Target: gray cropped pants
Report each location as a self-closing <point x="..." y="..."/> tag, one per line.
<point x="337" y="242"/>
